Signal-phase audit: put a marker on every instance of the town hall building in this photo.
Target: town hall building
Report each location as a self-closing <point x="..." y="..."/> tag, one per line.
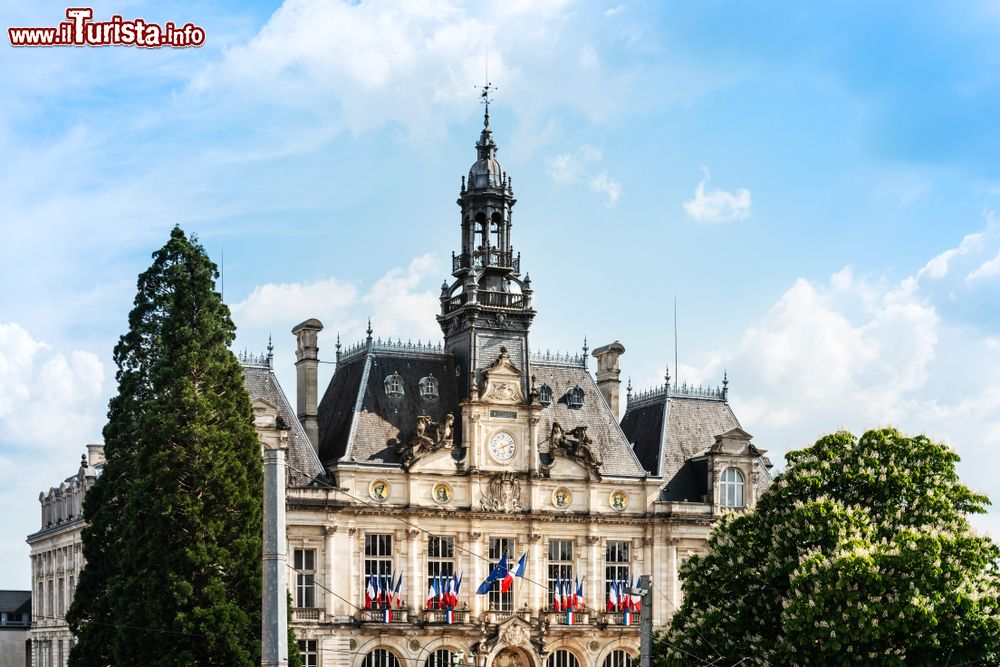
<point x="423" y="468"/>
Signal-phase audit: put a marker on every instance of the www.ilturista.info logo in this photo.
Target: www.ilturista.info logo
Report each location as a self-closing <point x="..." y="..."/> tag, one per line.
<point x="80" y="30"/>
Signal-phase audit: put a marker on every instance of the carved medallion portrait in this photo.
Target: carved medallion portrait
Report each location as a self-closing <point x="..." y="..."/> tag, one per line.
<point x="379" y="490"/>
<point x="618" y="501"/>
<point x="442" y="493"/>
<point x="562" y="498"/>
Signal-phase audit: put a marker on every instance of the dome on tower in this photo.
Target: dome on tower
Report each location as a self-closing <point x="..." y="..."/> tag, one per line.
<point x="485" y="172"/>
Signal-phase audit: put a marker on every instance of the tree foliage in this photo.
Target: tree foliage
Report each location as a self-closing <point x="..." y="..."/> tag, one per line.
<point x="859" y="553"/>
<point x="173" y="541"/>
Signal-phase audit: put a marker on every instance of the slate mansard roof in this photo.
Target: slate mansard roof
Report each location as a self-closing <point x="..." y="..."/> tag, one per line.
<point x="303" y="464"/>
<point x="671" y="429"/>
<point x="359" y="422"/>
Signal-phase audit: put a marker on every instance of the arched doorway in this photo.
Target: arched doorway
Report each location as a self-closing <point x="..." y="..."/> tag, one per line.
<point x="511" y="657"/>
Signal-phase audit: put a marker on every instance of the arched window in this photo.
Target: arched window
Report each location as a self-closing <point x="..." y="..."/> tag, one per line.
<point x="380" y="657"/>
<point x="442" y="657"/>
<point x="574" y="397"/>
<point x="394" y="385"/>
<point x="618" y="658"/>
<point x="563" y="658"/>
<point x="480" y="232"/>
<point x="429" y="388"/>
<point x="545" y="394"/>
<point x="731" y="488"/>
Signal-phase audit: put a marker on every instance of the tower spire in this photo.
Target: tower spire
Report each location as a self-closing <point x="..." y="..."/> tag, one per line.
<point x="484" y="98"/>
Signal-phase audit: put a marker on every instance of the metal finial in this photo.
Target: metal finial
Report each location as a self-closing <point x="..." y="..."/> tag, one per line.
<point x="725" y="383"/>
<point x="628" y="390"/>
<point x="337" y="346"/>
<point x="270" y="352"/>
<point x="369" y="330"/>
<point x="585" y="350"/>
<point x="666" y="376"/>
<point x="485" y="99"/>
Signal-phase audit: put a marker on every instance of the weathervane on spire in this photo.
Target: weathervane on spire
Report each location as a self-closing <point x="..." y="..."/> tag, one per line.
<point x="485" y="99"/>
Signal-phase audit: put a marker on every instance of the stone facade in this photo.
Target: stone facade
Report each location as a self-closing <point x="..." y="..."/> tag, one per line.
<point x="15" y="620"/>
<point x="439" y="458"/>
<point x="56" y="560"/>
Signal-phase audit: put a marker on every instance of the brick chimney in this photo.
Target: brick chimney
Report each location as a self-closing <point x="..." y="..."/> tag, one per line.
<point x="608" y="373"/>
<point x="306" y="365"/>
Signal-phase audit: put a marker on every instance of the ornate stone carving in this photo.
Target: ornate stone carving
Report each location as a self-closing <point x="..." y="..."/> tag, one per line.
<point x="514" y="634"/>
<point x="574" y="444"/>
<point x="503" y="493"/>
<point x="503" y="381"/>
<point x="422" y="442"/>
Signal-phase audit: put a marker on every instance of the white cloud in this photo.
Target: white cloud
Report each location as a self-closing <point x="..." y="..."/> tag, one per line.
<point x="47" y="398"/>
<point x="988" y="269"/>
<point x="401" y="302"/>
<point x="602" y="183"/>
<point x="937" y="267"/>
<point x="717" y="205"/>
<point x="575" y="167"/>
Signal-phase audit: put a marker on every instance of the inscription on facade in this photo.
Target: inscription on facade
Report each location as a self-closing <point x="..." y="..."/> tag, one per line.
<point x="503" y="414"/>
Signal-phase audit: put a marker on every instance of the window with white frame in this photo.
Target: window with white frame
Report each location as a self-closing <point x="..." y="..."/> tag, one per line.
<point x="440" y="559"/>
<point x="305" y="577"/>
<point x="380" y="657"/>
<point x="429" y="388"/>
<point x="560" y="566"/>
<point x="616" y="565"/>
<point x="378" y="558"/>
<point x="731" y="488"/>
<point x="545" y="394"/>
<point x="394" y="385"/>
<point x="498" y="547"/>
<point x="309" y="653"/>
<point x="563" y="658"/>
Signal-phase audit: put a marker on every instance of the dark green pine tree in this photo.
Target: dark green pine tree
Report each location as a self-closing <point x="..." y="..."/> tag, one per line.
<point x="177" y="512"/>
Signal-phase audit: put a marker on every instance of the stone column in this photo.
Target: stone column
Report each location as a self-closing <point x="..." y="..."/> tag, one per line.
<point x="479" y="571"/>
<point x="274" y="634"/>
<point x="331" y="532"/>
<point x="539" y="596"/>
<point x="417" y="584"/>
<point x="594" y="590"/>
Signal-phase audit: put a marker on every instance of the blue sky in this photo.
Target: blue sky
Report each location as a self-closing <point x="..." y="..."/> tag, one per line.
<point x="817" y="183"/>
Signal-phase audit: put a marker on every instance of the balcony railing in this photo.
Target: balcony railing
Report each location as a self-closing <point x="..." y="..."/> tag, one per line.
<point x="440" y="617"/>
<point x="482" y="258"/>
<point x="501" y="300"/>
<point x="496" y="617"/>
<point x="377" y="616"/>
<point x="618" y="618"/>
<point x="309" y="614"/>
<point x="559" y="618"/>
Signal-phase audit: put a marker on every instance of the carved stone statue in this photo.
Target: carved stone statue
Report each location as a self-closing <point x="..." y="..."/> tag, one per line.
<point x="422" y="442"/>
<point x="575" y="444"/>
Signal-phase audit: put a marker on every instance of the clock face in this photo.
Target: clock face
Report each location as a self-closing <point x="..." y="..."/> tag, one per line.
<point x="502" y="446"/>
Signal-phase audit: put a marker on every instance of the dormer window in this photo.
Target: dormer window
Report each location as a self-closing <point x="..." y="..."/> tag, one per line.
<point x="731" y="488"/>
<point x="574" y="397"/>
<point x="429" y="388"/>
<point x="545" y="395"/>
<point x="394" y="385"/>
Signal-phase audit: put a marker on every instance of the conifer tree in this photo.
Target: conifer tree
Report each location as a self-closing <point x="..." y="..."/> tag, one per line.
<point x="173" y="546"/>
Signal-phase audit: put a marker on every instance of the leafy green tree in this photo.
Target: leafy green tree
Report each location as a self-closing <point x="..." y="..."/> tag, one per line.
<point x="859" y="553"/>
<point x="173" y="545"/>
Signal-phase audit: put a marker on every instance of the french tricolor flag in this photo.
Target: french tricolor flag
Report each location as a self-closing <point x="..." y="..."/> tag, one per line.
<point x="627" y="617"/>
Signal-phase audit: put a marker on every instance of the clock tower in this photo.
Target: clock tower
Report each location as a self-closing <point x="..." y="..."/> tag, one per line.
<point x="488" y="304"/>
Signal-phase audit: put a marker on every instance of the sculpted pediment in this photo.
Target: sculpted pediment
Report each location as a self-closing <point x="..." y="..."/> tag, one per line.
<point x="503" y="381"/>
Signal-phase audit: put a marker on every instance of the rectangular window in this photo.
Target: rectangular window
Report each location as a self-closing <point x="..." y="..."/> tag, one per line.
<point x="62" y="597"/>
<point x="378" y="559"/>
<point x="305" y="577"/>
<point x="498" y="547"/>
<point x="440" y="559"/>
<point x="310" y="657"/>
<point x="616" y="566"/>
<point x="50" y="608"/>
<point x="560" y="566"/>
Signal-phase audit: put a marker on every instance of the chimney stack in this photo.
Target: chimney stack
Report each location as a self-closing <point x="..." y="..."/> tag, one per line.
<point x="306" y="365"/>
<point x="608" y="373"/>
